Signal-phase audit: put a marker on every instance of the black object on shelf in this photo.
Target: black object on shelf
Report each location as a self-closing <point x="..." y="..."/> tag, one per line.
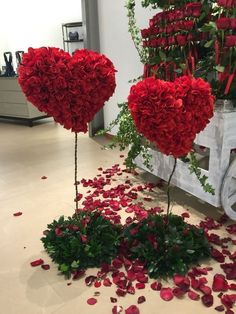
<point x="9" y="72"/>
<point x="72" y="33"/>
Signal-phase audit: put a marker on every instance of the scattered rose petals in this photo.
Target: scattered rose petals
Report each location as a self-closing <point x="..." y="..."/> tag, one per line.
<point x="207" y="300"/>
<point x="205" y="289"/>
<point x="228" y="311"/>
<point x="193" y="295"/>
<point x="92" y="301"/>
<point x="141" y="299"/>
<point x="107" y="282"/>
<point x="97" y="284"/>
<point x="113" y="300"/>
<point x="219" y="283"/>
<point x="133" y="309"/>
<point x="90" y="280"/>
<point x="45" y="266"/>
<point x="231" y="229"/>
<point x="131" y="290"/>
<point x="178" y="292"/>
<point x="120" y="292"/>
<point x="44" y="177"/>
<point x="217" y="255"/>
<point x="220" y="308"/>
<point x="17" y="214"/>
<point x="117" y="309"/>
<point x="37" y="262"/>
<point x="166" y="294"/>
<point x="185" y="215"/>
<point x="140" y="285"/>
<point x="96" y="293"/>
<point x="78" y="274"/>
<point x="228" y="300"/>
<point x="156" y="286"/>
<point x="232" y="286"/>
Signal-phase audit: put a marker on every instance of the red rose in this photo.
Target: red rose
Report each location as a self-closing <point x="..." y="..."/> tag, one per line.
<point x="181" y="40"/>
<point x="223" y="23"/>
<point x="194" y="9"/>
<point x="171" y="40"/>
<point x="145" y="32"/>
<point x="233" y="23"/>
<point x="188" y="25"/>
<point x="230" y="40"/>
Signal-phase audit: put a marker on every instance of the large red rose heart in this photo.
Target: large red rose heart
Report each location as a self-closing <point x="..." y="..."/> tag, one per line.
<point x="72" y="89"/>
<point x="170" y="114"/>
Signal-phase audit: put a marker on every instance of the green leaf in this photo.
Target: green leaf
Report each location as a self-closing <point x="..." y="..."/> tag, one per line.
<point x="63" y="268"/>
<point x="219" y="68"/>
<point x="75" y="264"/>
<point x="162" y="55"/>
<point x="209" y="43"/>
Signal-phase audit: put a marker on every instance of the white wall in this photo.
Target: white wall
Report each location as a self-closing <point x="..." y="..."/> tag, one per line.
<point x="116" y="43"/>
<point x="28" y="23"/>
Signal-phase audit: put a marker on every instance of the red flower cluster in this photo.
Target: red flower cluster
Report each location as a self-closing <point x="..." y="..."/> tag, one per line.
<point x="226" y="23"/>
<point x="72" y="89"/>
<point x="173" y="27"/>
<point x="171" y="114"/>
<point x="227" y="3"/>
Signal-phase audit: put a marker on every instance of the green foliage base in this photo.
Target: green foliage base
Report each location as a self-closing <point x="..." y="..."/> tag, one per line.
<point x="82" y="241"/>
<point x="167" y="246"/>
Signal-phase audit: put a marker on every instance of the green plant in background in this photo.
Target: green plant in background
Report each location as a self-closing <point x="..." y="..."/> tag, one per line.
<point x="82" y="241"/>
<point x="128" y="137"/>
<point x="166" y="253"/>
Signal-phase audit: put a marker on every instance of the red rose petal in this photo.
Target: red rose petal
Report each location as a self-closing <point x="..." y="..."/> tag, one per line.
<point x="133" y="309"/>
<point x="97" y="284"/>
<point x="205" y="289"/>
<point x="17" y="214"/>
<point x="45" y="266"/>
<point x="231" y="228"/>
<point x="90" y="280"/>
<point x="229" y="311"/>
<point x="107" y="282"/>
<point x="37" y="262"/>
<point x="193" y="295"/>
<point x="117" y="309"/>
<point x="220" y="308"/>
<point x="232" y="286"/>
<point x="92" y="301"/>
<point x="141" y="299"/>
<point x="207" y="300"/>
<point x="185" y="215"/>
<point x="219" y="283"/>
<point x="140" y="285"/>
<point x="120" y="292"/>
<point x="217" y="255"/>
<point x="78" y="274"/>
<point x="113" y="300"/>
<point x="178" y="292"/>
<point x="166" y="294"/>
<point x="44" y="177"/>
<point x="131" y="290"/>
<point x="228" y="300"/>
<point x="156" y="286"/>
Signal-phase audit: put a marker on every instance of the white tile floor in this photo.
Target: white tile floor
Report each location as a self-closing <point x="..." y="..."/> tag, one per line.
<point x="27" y="154"/>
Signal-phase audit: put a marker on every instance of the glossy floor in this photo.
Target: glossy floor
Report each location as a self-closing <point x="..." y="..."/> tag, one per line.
<point x="27" y="154"/>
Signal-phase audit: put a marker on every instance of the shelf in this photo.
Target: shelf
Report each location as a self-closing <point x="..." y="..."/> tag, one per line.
<point x="74" y="24"/>
<point x="73" y="41"/>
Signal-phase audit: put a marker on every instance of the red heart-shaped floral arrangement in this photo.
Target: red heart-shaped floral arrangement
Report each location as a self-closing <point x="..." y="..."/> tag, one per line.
<point x="72" y="89"/>
<point x="170" y="114"/>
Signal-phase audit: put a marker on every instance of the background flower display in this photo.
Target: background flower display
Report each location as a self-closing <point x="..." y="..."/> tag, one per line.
<point x="194" y="37"/>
